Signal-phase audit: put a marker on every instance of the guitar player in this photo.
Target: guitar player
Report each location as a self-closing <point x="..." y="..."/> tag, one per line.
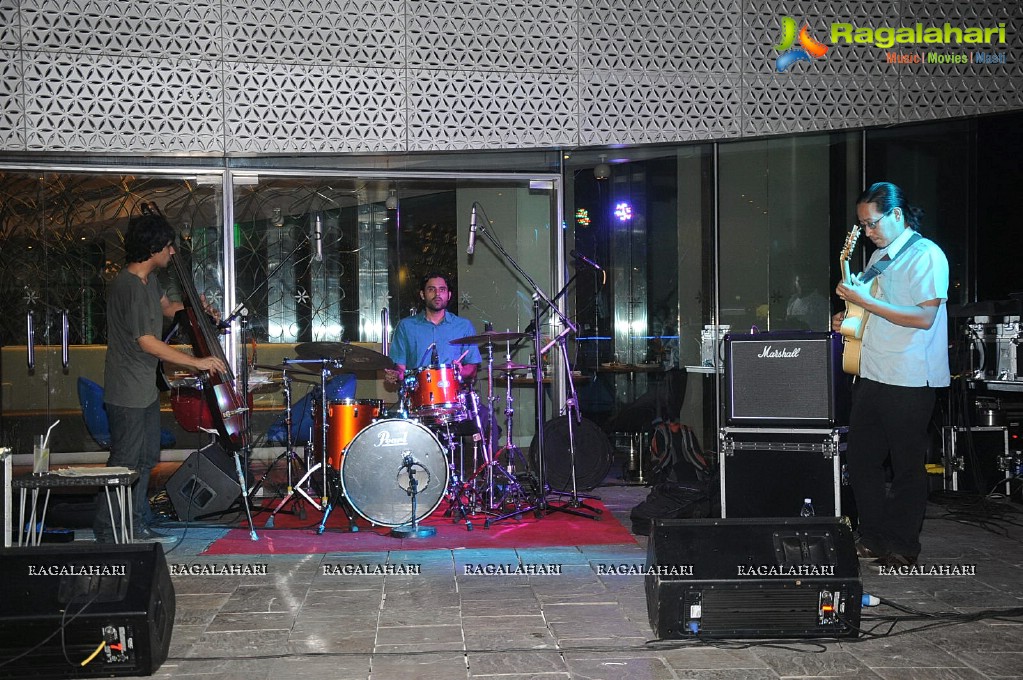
<point x="903" y="358"/>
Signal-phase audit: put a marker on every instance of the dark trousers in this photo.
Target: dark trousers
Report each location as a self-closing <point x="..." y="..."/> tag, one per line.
<point x="888" y="422"/>
<point x="134" y="444"/>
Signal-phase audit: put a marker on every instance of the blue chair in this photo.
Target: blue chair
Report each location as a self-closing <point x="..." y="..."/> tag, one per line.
<point x="90" y="397"/>
<point x="302" y="423"/>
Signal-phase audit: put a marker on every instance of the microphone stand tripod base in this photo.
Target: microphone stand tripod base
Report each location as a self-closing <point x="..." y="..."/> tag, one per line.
<point x="413" y="531"/>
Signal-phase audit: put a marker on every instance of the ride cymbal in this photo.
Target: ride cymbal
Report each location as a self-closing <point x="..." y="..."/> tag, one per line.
<point x="352" y="357"/>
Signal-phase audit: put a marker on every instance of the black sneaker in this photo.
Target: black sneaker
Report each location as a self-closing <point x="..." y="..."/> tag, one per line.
<point x="145" y="534"/>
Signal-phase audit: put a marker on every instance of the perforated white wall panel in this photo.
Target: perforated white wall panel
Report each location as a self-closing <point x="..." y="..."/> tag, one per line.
<point x="285" y="107"/>
<point x="309" y="76"/>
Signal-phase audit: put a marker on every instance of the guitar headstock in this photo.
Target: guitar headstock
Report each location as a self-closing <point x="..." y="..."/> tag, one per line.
<point x="850" y="243"/>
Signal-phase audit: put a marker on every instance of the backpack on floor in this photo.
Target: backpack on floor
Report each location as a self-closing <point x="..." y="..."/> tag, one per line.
<point x="676" y="455"/>
<point x="682" y="476"/>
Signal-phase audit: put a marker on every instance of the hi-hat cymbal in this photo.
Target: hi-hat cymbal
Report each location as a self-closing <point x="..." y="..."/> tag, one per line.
<point x="488" y="336"/>
<point x="512" y="366"/>
<point x="352" y="357"/>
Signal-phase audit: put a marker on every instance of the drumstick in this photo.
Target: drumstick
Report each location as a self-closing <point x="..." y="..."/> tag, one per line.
<point x="461" y="357"/>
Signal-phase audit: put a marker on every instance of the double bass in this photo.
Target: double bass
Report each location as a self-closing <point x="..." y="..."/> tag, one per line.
<point x="227" y="410"/>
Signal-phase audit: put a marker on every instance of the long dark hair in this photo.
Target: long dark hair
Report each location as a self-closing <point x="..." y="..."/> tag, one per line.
<point x="887" y="196"/>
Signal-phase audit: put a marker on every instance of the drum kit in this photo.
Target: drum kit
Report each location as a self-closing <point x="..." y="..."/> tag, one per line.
<point x="394" y="465"/>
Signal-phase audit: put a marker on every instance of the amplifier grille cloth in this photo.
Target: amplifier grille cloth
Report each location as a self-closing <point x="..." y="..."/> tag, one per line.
<point x="789" y="387"/>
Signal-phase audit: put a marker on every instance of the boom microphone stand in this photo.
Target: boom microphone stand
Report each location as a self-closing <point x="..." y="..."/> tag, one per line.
<point x="541" y="507"/>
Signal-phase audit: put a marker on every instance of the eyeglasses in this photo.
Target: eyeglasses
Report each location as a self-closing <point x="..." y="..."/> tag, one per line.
<point x="873" y="223"/>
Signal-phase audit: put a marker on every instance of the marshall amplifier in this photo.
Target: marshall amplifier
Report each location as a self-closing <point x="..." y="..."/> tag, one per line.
<point x="786" y="378"/>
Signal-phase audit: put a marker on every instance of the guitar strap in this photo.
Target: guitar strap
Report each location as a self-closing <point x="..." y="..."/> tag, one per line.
<point x="875" y="269"/>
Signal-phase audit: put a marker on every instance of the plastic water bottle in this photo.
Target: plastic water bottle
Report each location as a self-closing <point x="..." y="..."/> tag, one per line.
<point x="807" y="510"/>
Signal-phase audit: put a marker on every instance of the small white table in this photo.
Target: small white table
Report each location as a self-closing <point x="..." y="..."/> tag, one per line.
<point x="118" y="479"/>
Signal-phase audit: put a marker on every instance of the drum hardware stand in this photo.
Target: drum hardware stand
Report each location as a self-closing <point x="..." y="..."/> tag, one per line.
<point x="335" y="496"/>
<point x="572" y="411"/>
<point x="412" y="530"/>
<point x="327" y="499"/>
<point x="541" y="506"/>
<point x="289" y="453"/>
<point x="511" y="451"/>
<point x="462" y="501"/>
<point x="512" y="491"/>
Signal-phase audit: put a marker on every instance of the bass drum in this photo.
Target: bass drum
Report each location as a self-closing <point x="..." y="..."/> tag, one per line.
<point x="375" y="479"/>
<point x="593" y="454"/>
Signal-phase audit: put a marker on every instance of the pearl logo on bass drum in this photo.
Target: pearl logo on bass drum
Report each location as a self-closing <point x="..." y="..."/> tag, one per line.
<point x="785" y="378"/>
<point x="384" y="438"/>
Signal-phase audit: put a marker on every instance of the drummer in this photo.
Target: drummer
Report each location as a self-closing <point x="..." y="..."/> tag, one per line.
<point x="424" y="339"/>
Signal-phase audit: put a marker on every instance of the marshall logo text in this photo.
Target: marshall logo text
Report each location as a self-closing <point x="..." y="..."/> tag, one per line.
<point x="770" y="352"/>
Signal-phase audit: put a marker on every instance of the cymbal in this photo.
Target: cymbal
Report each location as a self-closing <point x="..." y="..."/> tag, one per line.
<point x="512" y="366"/>
<point x="488" y="336"/>
<point x="352" y="357"/>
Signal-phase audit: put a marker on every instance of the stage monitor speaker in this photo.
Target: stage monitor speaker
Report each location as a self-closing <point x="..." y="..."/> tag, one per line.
<point x="786" y="378"/>
<point x="117" y="595"/>
<point x="753" y="578"/>
<point x="205" y="484"/>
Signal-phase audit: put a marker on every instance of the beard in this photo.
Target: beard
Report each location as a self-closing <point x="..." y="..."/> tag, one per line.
<point x="436" y="304"/>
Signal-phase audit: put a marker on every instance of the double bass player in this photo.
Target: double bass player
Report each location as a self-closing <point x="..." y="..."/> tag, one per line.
<point x="136" y="305"/>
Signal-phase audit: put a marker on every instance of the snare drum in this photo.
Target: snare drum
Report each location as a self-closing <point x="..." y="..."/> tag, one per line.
<point x="345" y="419"/>
<point x="434" y="395"/>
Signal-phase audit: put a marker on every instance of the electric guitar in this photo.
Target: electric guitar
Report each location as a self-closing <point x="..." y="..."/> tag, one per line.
<point x="855" y="316"/>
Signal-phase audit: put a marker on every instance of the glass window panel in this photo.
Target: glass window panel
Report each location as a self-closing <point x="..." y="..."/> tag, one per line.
<point x="311" y="259"/>
<point x="933" y="165"/>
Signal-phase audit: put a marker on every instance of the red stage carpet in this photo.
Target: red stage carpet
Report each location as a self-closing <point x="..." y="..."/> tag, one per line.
<point x="291" y="536"/>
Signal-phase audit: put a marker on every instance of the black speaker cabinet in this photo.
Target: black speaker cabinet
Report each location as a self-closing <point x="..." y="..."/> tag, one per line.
<point x="117" y="595"/>
<point x="786" y="378"/>
<point x="205" y="484"/>
<point x="753" y="578"/>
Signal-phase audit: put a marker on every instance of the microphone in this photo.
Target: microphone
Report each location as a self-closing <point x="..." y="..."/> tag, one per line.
<point x="434" y="358"/>
<point x="318" y="238"/>
<point x="585" y="260"/>
<point x="472" y="232"/>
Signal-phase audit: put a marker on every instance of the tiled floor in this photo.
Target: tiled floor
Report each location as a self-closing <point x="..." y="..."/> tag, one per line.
<point x="297" y="622"/>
